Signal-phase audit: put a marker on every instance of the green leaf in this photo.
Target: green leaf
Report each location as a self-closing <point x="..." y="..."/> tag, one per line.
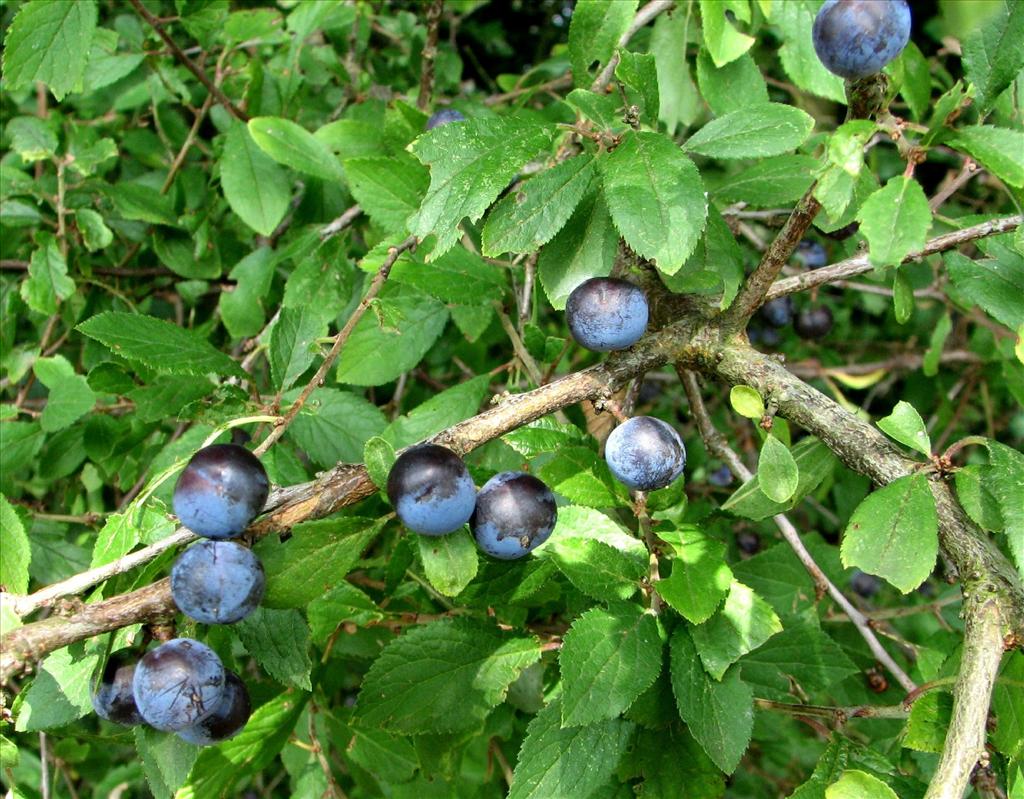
<point x="389" y="189"/>
<point x="720" y="714"/>
<point x="15" y="546"/>
<point x="581" y="476"/>
<point x="159" y="344"/>
<point x="771" y="181"/>
<point x="814" y="463"/>
<point x="257" y="190"/>
<point x="141" y="202"/>
<point x="656" y="198"/>
<point x="597" y="556"/>
<point x="584" y="248"/>
<point x="992" y="283"/>
<point x="929" y="720"/>
<point x="747" y="402"/>
<point x="830" y="766"/>
<point x="594" y="34"/>
<point x="993" y="52"/>
<point x="567" y="761"/>
<point x="744" y="622"/>
<point x="531" y="215"/>
<point x="379" y="457"/>
<point x="608" y="658"/>
<point x="777" y="473"/>
<point x="895" y="221"/>
<point x="723" y="40"/>
<point x="59" y="694"/>
<point x="315" y="560"/>
<point x="1008" y="705"/>
<point x="279" y="640"/>
<point x="543" y="435"/>
<point x="49" y="42"/>
<point x="70" y="396"/>
<point x="859" y="785"/>
<point x="439" y="412"/>
<point x="47" y="283"/>
<point x="800" y="658"/>
<point x="470" y="163"/>
<point x="242" y="309"/>
<point x="458" y="276"/>
<point x="902" y="297"/>
<point x="679" y="102"/>
<point x="905" y="425"/>
<point x="700" y="577"/>
<point x="389" y="757"/>
<point x="670" y="762"/>
<point x="638" y="73"/>
<point x="95" y="233"/>
<point x="219" y="767"/>
<point x="334" y="426"/>
<point x="999" y="150"/>
<point x="295" y="147"/>
<point x="1004" y="479"/>
<point x="344" y="603"/>
<point x="733" y="87"/>
<point x="31" y="138"/>
<point x="352" y="138"/>
<point x="975" y="494"/>
<point x="794" y="19"/>
<point x="293" y="344"/>
<point x="936" y="343"/>
<point x="166" y="759"/>
<point x="442" y="677"/>
<point x="894" y="533"/>
<point x="755" y="131"/>
<point x="122" y="531"/>
<point x="374" y="355"/>
<point x="449" y="561"/>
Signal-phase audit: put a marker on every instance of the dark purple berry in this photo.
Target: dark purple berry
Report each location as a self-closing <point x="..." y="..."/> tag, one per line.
<point x="220" y="491"/>
<point x="227" y="719"/>
<point x="778" y="312"/>
<point x="217" y="582"/>
<point x="722" y="476"/>
<point x="645" y="454"/>
<point x="864" y="584"/>
<point x="813" y="323"/>
<point x="856" y="38"/>
<point x="443" y="117"/>
<point x="515" y="513"/>
<point x="178" y="684"/>
<point x="605" y="314"/>
<point x="811" y="254"/>
<point x="113" y="698"/>
<point x="431" y="490"/>
<point x="749" y="543"/>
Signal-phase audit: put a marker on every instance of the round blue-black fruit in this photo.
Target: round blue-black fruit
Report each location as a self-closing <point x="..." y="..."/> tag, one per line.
<point x="645" y="454"/>
<point x="515" y="513"/>
<point x="813" y="323"/>
<point x="606" y="313"/>
<point x="112" y="698"/>
<point x="777" y="312"/>
<point x="811" y="254"/>
<point x="431" y="490"/>
<point x="217" y="582"/>
<point x="178" y="684"/>
<point x="856" y="38"/>
<point x="228" y="718"/>
<point x="220" y="491"/>
<point x="443" y="117"/>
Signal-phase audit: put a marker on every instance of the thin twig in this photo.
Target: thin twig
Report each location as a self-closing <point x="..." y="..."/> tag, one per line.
<point x="336" y="226"/>
<point x="654" y="569"/>
<point x="333" y="789"/>
<point x="189" y="64"/>
<point x="717" y="444"/>
<point x="44" y="768"/>
<point x="339" y="343"/>
<point x="189" y="141"/>
<point x="838" y="715"/>
<point x="433" y="15"/>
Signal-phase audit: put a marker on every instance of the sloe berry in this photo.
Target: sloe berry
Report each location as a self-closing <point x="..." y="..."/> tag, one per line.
<point x="228" y="718"/>
<point x="515" y="513"/>
<point x="217" y="582"/>
<point x="645" y="453"/>
<point x="856" y="38"/>
<point x="220" y="491"/>
<point x="864" y="584"/>
<point x="443" y="117"/>
<point x="605" y="314"/>
<point x="112" y="698"/>
<point x="722" y="476"/>
<point x="813" y="323"/>
<point x="778" y="312"/>
<point x="178" y="684"/>
<point x="749" y="543"/>
<point x="811" y="254"/>
<point x="431" y="490"/>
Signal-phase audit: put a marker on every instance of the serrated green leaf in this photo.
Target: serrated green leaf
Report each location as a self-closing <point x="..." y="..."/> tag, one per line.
<point x="159" y="344"/>
<point x="679" y="102"/>
<point x="439" y="412"/>
<point x="638" y="73"/>
<point x="584" y="248"/>
<point x="449" y="561"/>
<point x="242" y="309"/>
<point x="218" y="768"/>
<point x="747" y="402"/>
<point x="69" y="397"/>
<point x="720" y="714"/>
<point x="936" y="343"/>
<point x="141" y="202"/>
<point x="1008" y="705"/>
<point x="859" y="785"/>
<point x="59" y="694"/>
<point x="722" y="39"/>
<point x="777" y="473"/>
<point x="294" y="146"/>
<point x="567" y="761"/>
<point x="442" y="677"/>
<point x="390" y="757"/>
<point x="801" y="655"/>
<point x="928" y="722"/>
<point x="457" y="276"/>
<point x="389" y="189"/>
<point x="905" y="425"/>
<point x="344" y="603"/>
<point x="902" y="297"/>
<point x="656" y="198"/>
<point x="594" y="34"/>
<point x="279" y="640"/>
<point x="814" y="463"/>
<point x="531" y="215"/>
<point x="334" y="426"/>
<point x="122" y="531"/>
<point x="470" y="163"/>
<point x="167" y="395"/>
<point x="49" y="42"/>
<point x="743" y="623"/>
<point x="543" y="435"/>
<point x="95" y="233"/>
<point x="581" y="476"/>
<point x="700" y="577"/>
<point x="254" y="186"/>
<point x="379" y="457"/>
<point x="374" y="355"/>
<point x="166" y="760"/>
<point x="668" y="759"/>
<point x="999" y="150"/>
<point x="47" y="283"/>
<point x="733" y="87"/>
<point x="608" y="658"/>
<point x="292" y="344"/>
<point x="794" y="19"/>
<point x="993" y="52"/>
<point x="895" y="221"/>
<point x="894" y="533"/>
<point x="754" y="132"/>
<point x="31" y="138"/>
<point x="993" y="283"/>
<point x="15" y="546"/>
<point x="1004" y="479"/>
<point x="769" y="182"/>
<point x="316" y="559"/>
<point x="830" y="765"/>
